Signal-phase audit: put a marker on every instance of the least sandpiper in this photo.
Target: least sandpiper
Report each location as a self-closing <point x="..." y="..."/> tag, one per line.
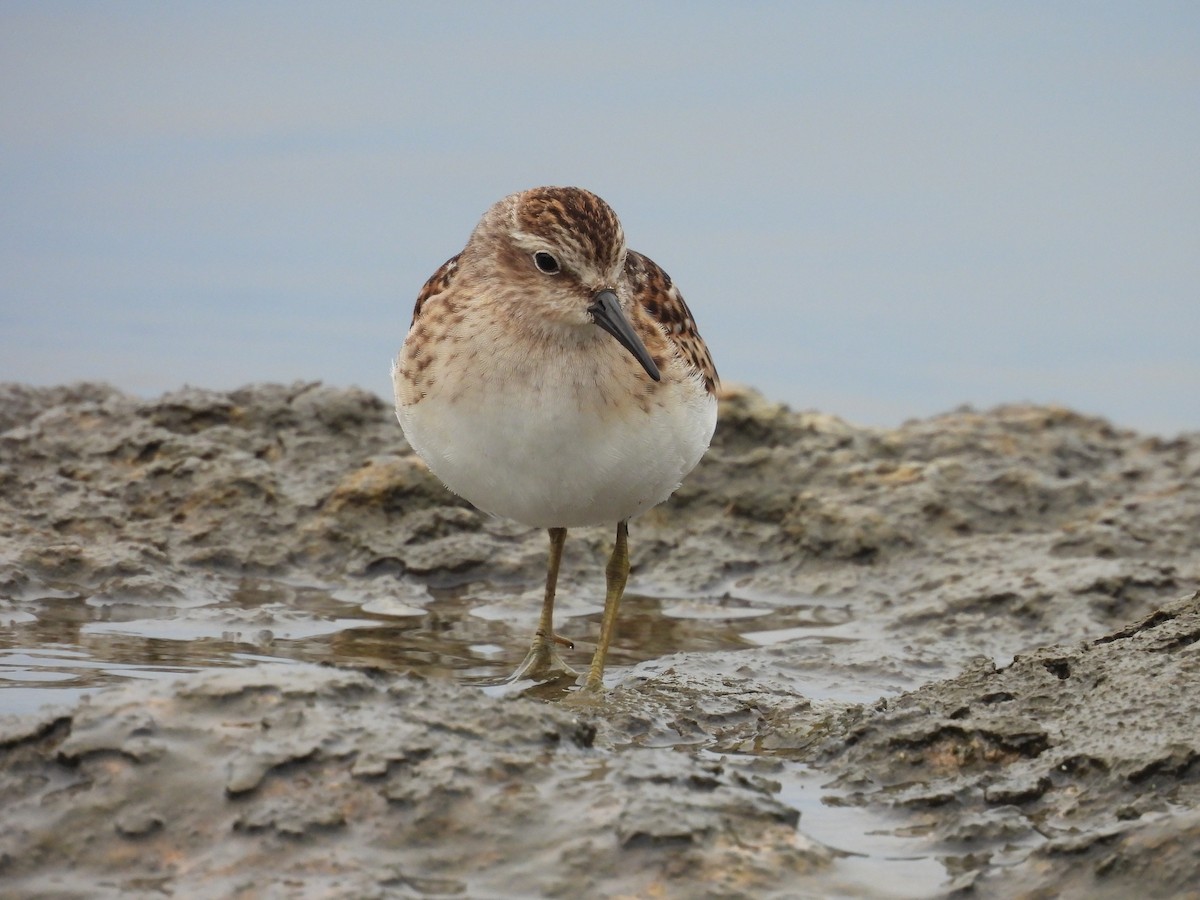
<point x="553" y="376"/>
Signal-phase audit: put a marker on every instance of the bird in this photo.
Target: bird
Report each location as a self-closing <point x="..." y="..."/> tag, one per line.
<point x="555" y="377"/>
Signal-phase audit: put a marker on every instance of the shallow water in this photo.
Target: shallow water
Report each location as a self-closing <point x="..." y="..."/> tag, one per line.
<point x="878" y="859"/>
<point x="58" y="645"/>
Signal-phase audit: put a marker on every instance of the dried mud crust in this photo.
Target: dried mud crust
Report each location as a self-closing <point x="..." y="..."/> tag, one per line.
<point x="307" y="781"/>
<point x="1083" y="753"/>
<point x="1010" y="585"/>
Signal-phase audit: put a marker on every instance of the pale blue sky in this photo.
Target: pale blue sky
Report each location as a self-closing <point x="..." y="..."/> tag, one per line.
<point x="876" y="210"/>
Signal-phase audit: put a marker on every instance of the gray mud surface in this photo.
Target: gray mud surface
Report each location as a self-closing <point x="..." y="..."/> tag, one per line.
<point x="249" y="647"/>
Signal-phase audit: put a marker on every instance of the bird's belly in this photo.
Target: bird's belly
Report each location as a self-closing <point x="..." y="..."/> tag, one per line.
<point x="553" y="463"/>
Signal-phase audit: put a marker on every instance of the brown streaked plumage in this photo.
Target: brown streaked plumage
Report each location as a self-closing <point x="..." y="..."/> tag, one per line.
<point x="553" y="376"/>
<point x="657" y="295"/>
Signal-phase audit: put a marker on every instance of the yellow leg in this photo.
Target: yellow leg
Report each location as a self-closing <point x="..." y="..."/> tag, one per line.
<point x="542" y="661"/>
<point x="545" y="632"/>
<point x="616" y="574"/>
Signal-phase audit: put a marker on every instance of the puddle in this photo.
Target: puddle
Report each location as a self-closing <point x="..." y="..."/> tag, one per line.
<point x="880" y="857"/>
<point x="57" y="644"/>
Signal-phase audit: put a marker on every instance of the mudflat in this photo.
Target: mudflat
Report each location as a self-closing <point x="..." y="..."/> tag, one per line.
<point x="249" y="646"/>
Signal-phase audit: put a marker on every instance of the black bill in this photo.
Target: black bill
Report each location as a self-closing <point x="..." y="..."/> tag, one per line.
<point x="607" y="313"/>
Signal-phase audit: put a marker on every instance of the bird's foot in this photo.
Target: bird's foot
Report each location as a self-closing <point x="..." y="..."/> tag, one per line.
<point x="592" y="684"/>
<point x="542" y="662"/>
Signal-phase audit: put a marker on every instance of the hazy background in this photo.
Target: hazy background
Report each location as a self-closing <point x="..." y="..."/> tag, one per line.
<point x="876" y="210"/>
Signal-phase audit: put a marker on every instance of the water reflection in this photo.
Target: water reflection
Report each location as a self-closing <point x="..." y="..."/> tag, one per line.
<point x="59" y="640"/>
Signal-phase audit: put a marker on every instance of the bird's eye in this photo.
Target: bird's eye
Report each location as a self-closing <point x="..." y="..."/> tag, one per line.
<point x="546" y="263"/>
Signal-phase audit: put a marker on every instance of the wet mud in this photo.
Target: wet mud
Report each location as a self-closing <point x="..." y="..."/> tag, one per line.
<point x="250" y="647"/>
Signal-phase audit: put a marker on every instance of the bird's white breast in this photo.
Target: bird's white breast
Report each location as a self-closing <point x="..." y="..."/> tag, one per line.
<point x="551" y="453"/>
